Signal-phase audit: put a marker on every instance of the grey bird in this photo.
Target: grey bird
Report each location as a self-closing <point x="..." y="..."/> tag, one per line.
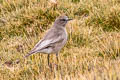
<point x="54" y="40"/>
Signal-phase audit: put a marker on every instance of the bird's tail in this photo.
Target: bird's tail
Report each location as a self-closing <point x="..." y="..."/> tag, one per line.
<point x="30" y="53"/>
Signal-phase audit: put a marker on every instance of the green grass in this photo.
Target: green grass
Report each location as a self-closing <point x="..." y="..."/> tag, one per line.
<point x="91" y="53"/>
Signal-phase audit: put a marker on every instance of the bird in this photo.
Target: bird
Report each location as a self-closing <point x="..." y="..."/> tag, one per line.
<point x="54" y="40"/>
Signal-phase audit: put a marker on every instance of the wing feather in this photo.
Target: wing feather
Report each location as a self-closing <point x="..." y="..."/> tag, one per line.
<point x="47" y="42"/>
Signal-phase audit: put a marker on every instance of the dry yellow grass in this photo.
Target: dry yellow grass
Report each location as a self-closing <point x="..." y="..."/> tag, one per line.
<point x="91" y="53"/>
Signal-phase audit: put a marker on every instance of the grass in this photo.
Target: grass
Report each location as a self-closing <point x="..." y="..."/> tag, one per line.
<point x="91" y="53"/>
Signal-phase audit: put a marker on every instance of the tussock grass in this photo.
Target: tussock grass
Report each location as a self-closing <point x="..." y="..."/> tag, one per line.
<point x="109" y="45"/>
<point x="91" y="53"/>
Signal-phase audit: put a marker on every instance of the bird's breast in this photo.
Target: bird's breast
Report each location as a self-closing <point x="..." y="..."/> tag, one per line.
<point x="64" y="36"/>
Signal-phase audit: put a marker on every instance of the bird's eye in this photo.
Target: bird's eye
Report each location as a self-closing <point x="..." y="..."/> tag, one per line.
<point x="63" y="19"/>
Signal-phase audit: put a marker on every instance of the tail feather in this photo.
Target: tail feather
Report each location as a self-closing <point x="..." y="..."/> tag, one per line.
<point x="30" y="53"/>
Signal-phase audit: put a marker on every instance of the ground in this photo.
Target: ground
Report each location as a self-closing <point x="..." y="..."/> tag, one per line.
<point x="91" y="53"/>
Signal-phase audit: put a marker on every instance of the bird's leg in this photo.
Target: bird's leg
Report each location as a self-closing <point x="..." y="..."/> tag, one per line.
<point x="50" y="66"/>
<point x="57" y="61"/>
<point x="48" y="59"/>
<point x="57" y="57"/>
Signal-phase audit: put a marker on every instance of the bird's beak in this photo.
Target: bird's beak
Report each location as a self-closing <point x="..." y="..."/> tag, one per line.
<point x="69" y="19"/>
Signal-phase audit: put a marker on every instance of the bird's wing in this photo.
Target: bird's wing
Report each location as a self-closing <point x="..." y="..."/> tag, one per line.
<point x="47" y="42"/>
<point x="44" y="43"/>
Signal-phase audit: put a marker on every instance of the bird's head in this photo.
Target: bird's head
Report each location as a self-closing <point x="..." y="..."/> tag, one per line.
<point x="62" y="21"/>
